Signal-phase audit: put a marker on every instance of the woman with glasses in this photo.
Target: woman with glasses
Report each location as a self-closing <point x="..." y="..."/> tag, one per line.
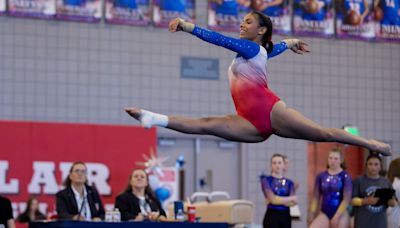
<point x="138" y="202"/>
<point x="79" y="201"/>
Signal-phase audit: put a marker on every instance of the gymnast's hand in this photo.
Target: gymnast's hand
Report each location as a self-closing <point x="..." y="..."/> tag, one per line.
<point x="297" y="46"/>
<point x="174" y="25"/>
<point x="178" y="24"/>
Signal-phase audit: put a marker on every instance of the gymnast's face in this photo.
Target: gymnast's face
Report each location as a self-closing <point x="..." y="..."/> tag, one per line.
<point x="277" y="165"/>
<point x="334" y="160"/>
<point x="138" y="179"/>
<point x="250" y="27"/>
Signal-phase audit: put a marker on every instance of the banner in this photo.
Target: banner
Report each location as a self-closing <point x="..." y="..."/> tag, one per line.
<point x="226" y="15"/>
<point x="278" y="11"/>
<point x="387" y="20"/>
<point x="165" y="184"/>
<point x="313" y="17"/>
<point x="166" y="10"/>
<point x="31" y="8"/>
<point x="79" y="10"/>
<point x="130" y="12"/>
<point x="354" y="19"/>
<point x="35" y="158"/>
<point x="2" y="7"/>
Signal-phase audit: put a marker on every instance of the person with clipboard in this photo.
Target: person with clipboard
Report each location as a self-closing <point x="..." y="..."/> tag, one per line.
<point x="372" y="194"/>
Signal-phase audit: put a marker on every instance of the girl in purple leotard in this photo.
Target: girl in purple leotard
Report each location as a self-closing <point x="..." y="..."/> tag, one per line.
<point x="333" y="193"/>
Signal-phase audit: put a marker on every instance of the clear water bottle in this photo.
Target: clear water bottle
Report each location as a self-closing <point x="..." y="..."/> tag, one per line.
<point x="180" y="216"/>
<point x="116" y="215"/>
<point x="109" y="216"/>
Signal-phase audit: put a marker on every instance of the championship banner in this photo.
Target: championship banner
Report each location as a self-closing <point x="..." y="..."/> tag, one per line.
<point x="79" y="10"/>
<point x="129" y="12"/>
<point x="2" y="7"/>
<point x="226" y="15"/>
<point x="354" y="19"/>
<point x="35" y="158"/>
<point x="166" y="10"/>
<point x="313" y="18"/>
<point x="31" y="8"/>
<point x="278" y="11"/>
<point x="387" y="20"/>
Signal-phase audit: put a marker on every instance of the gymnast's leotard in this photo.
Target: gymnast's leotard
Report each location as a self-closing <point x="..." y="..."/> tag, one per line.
<point x="333" y="189"/>
<point x="248" y="78"/>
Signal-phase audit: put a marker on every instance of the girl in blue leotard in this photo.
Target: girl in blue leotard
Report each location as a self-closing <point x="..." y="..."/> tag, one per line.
<point x="279" y="192"/>
<point x="333" y="192"/>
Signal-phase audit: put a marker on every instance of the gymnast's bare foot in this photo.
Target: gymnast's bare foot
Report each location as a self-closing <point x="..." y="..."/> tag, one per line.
<point x="134" y="112"/>
<point x="380" y="147"/>
<point x="148" y="119"/>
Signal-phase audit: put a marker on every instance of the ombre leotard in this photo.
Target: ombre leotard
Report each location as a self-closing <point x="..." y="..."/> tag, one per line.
<point x="248" y="78"/>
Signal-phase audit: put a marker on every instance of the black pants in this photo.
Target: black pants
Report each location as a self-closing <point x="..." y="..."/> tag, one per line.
<point x="277" y="219"/>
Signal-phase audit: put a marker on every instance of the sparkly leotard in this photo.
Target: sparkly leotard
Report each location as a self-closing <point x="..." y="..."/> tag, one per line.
<point x="332" y="189"/>
<point x="278" y="186"/>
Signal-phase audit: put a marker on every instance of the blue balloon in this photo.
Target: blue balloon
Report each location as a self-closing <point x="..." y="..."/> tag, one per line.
<point x="162" y="193"/>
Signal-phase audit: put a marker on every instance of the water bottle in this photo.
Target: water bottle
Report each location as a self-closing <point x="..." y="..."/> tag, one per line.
<point x="109" y="216"/>
<point x="116" y="215"/>
<point x="180" y="216"/>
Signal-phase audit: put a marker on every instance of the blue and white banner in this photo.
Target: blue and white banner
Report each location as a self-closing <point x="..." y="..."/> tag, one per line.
<point x="131" y="12"/>
<point x="387" y="20"/>
<point x="226" y="15"/>
<point x="354" y="19"/>
<point x="31" y="8"/>
<point x="79" y="10"/>
<point x="279" y="12"/>
<point x="2" y="7"/>
<point x="166" y="10"/>
<point x="313" y="17"/>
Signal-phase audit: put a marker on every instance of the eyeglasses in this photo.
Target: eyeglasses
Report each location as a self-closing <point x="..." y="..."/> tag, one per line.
<point x="79" y="171"/>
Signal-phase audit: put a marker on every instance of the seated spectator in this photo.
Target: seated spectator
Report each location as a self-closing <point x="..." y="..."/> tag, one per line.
<point x="138" y="202"/>
<point x="32" y="212"/>
<point x="366" y="211"/>
<point x="79" y="201"/>
<point x="6" y="216"/>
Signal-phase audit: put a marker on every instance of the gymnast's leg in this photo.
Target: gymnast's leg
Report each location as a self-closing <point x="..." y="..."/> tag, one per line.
<point x="320" y="221"/>
<point x="289" y="123"/>
<point x="231" y="127"/>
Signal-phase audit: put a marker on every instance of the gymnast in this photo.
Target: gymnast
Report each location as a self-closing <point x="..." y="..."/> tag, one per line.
<point x="260" y="113"/>
<point x="333" y="189"/>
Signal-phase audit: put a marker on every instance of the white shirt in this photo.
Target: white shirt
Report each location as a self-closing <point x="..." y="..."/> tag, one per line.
<point x="82" y="202"/>
<point x="144" y="206"/>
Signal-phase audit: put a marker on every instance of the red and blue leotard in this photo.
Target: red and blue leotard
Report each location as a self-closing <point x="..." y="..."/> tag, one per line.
<point x="248" y="78"/>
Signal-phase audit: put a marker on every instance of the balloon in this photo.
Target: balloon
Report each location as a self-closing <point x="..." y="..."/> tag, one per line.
<point x="162" y="193"/>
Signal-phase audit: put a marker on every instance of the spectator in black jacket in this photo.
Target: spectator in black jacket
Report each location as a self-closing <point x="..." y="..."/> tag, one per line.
<point x="6" y="213"/>
<point x="138" y="202"/>
<point x="79" y="201"/>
